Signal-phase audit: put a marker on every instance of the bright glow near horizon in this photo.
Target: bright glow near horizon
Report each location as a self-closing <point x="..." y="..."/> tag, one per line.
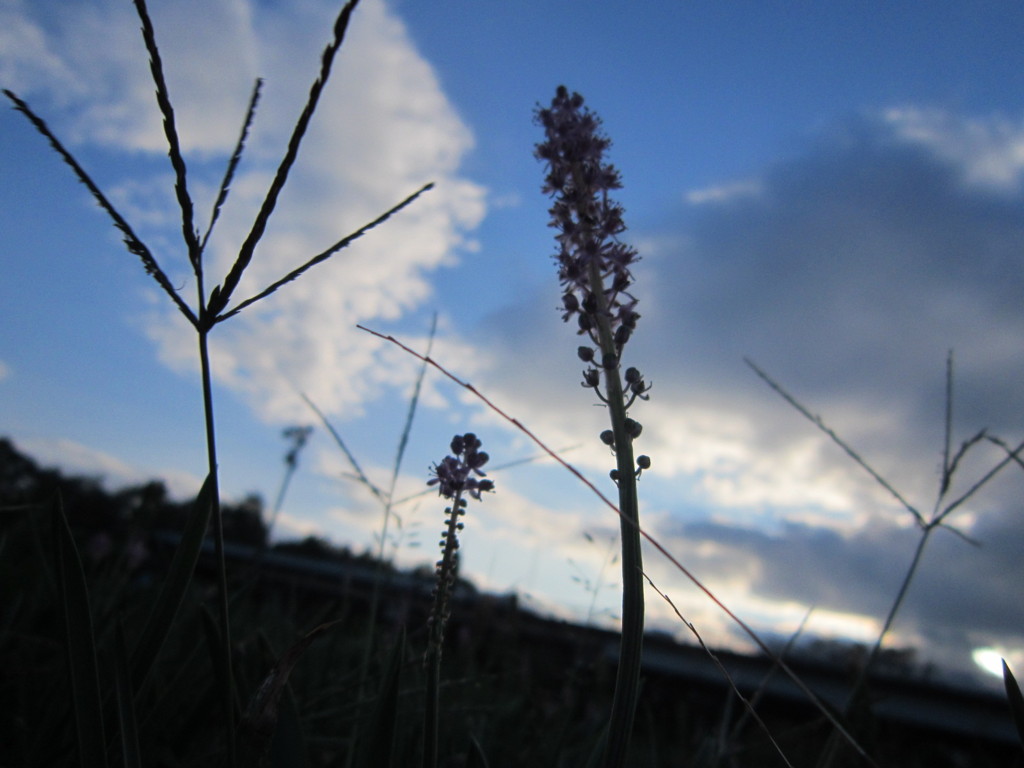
<point x="990" y="660"/>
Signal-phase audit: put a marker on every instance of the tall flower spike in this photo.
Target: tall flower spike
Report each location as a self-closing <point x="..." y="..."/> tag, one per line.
<point x="594" y="271"/>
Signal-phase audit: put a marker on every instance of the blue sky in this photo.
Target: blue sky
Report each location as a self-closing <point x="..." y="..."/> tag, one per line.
<point x="833" y="190"/>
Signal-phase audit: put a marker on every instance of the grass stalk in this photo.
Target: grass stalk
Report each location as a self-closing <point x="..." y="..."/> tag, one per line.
<point x="748" y="704"/>
<point x="224" y="613"/>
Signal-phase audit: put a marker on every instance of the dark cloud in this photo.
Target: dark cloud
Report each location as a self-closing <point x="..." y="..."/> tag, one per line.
<point x="853" y="272"/>
<point x="961" y="595"/>
<point x="816" y="566"/>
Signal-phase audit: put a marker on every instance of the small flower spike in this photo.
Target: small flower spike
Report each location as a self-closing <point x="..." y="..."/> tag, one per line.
<point x="456" y="475"/>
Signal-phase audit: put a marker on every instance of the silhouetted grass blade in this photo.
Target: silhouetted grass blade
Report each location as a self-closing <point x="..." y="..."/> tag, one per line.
<point x="256" y="729"/>
<point x="353" y="462"/>
<point x="377" y="742"/>
<point x="1016" y="701"/>
<point x="476" y="757"/>
<point x="403" y="440"/>
<point x="80" y="642"/>
<point x="173" y="590"/>
<point x="131" y="754"/>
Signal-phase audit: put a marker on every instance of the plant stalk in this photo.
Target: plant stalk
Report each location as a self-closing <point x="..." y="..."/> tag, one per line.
<point x="627" y="679"/>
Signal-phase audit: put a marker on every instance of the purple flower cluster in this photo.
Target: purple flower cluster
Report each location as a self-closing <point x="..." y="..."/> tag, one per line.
<point x="455" y="474"/>
<point x="593" y="265"/>
<point x="588" y="220"/>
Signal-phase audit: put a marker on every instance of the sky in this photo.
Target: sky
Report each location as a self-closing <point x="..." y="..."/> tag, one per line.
<point x="831" y="191"/>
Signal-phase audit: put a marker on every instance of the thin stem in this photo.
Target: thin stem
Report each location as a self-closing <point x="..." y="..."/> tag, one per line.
<point x="431" y="719"/>
<point x="289" y="471"/>
<point x="229" y="172"/>
<point x="747" y="703"/>
<point x="218" y="539"/>
<point x="388" y="501"/>
<point x="947" y="469"/>
<point x="1012" y="456"/>
<point x="403" y="441"/>
<point x="340" y="442"/>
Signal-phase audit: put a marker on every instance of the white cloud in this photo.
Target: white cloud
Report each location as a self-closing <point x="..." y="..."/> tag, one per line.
<point x="723" y="193"/>
<point x="78" y="459"/>
<point x="5" y="370"/>
<point x="989" y="151"/>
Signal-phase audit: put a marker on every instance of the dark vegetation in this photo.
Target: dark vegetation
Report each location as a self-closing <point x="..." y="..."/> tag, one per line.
<point x="526" y="689"/>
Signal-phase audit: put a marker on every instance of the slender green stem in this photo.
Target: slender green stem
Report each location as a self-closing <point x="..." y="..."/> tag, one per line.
<point x="627" y="680"/>
<point x="218" y="534"/>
